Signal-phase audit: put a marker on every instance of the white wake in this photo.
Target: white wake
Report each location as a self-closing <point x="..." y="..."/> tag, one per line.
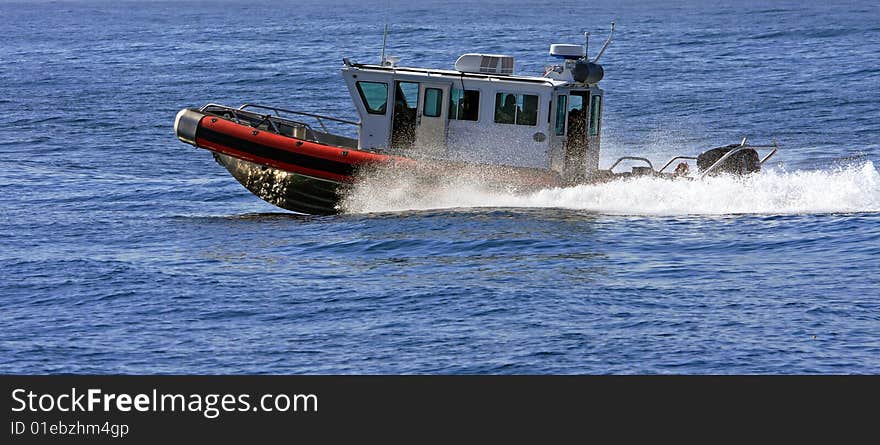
<point x="854" y="188"/>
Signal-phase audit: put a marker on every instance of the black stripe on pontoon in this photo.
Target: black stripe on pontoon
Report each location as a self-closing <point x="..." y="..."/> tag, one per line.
<point x="263" y="151"/>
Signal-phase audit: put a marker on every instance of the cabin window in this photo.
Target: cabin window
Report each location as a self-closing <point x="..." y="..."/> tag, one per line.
<point x="374" y="95"/>
<point x="560" y="115"/>
<point x="594" y="115"/>
<point x="519" y="109"/>
<point x="464" y="104"/>
<point x="407" y="95"/>
<point x="578" y="107"/>
<point x="505" y="108"/>
<point x="433" y="102"/>
<point x="577" y="101"/>
<point x="527" y="110"/>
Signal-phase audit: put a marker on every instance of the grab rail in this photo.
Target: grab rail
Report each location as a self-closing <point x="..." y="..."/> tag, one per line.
<point x="224" y="107"/>
<point x="317" y="117"/>
<point x="265" y="117"/>
<point x="630" y="158"/>
<point x="769" y="155"/>
<point x="693" y="158"/>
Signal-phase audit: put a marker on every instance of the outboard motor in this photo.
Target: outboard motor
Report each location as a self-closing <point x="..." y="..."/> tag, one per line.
<point x="743" y="162"/>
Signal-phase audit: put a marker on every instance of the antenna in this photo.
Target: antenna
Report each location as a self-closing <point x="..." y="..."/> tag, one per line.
<point x="586" y="45"/>
<point x="384" y="39"/>
<point x="385" y="32"/>
<point x="605" y="46"/>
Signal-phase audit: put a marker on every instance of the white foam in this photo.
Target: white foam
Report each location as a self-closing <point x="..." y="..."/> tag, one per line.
<point x="848" y="189"/>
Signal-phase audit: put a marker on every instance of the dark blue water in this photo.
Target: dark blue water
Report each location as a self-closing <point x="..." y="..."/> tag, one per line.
<point x="126" y="251"/>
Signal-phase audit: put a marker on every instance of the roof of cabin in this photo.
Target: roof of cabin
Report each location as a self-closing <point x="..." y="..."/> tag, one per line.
<point x="459" y="74"/>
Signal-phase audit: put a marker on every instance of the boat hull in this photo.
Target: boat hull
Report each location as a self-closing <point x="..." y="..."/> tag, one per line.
<point x="310" y="177"/>
<point x="291" y="173"/>
<point x="288" y="190"/>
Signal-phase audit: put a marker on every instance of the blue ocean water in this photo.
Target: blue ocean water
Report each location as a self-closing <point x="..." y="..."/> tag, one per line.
<point x="126" y="251"/>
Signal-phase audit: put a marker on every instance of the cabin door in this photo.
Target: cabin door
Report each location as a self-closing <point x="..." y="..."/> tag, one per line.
<point x="576" y="140"/>
<point x="403" y="122"/>
<point x="432" y="118"/>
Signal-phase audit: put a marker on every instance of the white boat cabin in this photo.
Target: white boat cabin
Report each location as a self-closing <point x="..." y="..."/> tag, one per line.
<point x="481" y="112"/>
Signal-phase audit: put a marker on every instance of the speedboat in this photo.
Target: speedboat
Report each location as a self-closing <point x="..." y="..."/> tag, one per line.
<point x="481" y="118"/>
